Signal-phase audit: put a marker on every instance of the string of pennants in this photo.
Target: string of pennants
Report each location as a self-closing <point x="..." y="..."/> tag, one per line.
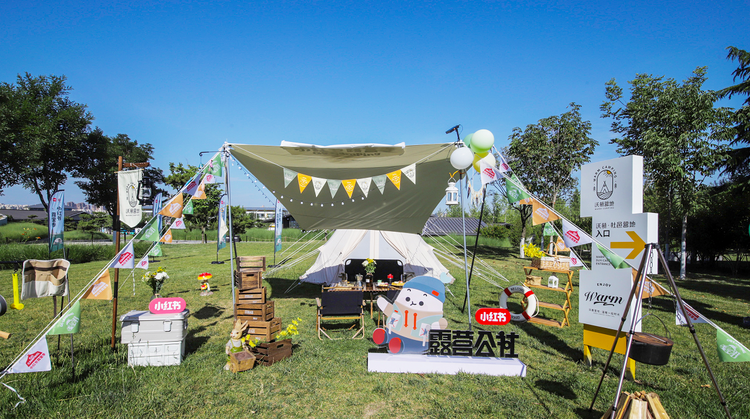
<point x="729" y="349"/>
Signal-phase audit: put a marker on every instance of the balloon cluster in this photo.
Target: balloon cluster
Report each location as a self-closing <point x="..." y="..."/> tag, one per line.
<point x="478" y="146"/>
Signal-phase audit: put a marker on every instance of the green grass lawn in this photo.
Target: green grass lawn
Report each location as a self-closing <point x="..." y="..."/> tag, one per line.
<point x="325" y="379"/>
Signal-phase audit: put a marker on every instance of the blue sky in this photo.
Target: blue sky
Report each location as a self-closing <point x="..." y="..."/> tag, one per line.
<point x="186" y="76"/>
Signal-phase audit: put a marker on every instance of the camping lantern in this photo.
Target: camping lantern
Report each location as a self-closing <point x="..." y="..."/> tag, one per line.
<point x="451" y="194"/>
<point x="145" y="190"/>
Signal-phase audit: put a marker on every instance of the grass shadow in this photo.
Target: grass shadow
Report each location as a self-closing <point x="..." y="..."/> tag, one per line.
<point x="552" y="341"/>
<point x="208" y="311"/>
<point x="559" y="389"/>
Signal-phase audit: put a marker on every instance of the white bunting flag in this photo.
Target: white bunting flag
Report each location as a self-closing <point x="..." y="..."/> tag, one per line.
<point x="192" y="187"/>
<point x="379" y="181"/>
<point x="410" y="172"/>
<point x="502" y="164"/>
<point x="575" y="260"/>
<point x="574" y="236"/>
<point x="35" y="359"/>
<point x="143" y="264"/>
<point x="318" y="184"/>
<point x="488" y="173"/>
<point x="178" y="224"/>
<point x="364" y="184"/>
<point x="125" y="259"/>
<point x="695" y="317"/>
<point x="289" y="175"/>
<point x="333" y="186"/>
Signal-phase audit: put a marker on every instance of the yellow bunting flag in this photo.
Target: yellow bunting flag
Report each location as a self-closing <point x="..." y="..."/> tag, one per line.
<point x="200" y="193"/>
<point x="527" y="201"/>
<point x="167" y="237"/>
<point x="101" y="289"/>
<point x="173" y="208"/>
<point x="560" y="245"/>
<point x="303" y="180"/>
<point x="541" y="214"/>
<point x="395" y="177"/>
<point x="349" y="185"/>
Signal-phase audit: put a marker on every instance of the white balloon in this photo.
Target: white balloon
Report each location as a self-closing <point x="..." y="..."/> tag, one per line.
<point x="462" y="158"/>
<point x="482" y="140"/>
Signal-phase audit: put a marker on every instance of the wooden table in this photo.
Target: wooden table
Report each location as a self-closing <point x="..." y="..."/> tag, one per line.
<point x="568" y="290"/>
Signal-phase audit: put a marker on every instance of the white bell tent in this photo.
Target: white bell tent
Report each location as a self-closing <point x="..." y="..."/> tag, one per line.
<point x="416" y="256"/>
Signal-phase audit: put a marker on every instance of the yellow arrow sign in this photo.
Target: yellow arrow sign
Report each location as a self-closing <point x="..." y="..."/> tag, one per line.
<point x="637" y="245"/>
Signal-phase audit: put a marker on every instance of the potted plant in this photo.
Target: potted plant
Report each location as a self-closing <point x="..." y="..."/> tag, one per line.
<point x="369" y="265"/>
<point x="156" y="280"/>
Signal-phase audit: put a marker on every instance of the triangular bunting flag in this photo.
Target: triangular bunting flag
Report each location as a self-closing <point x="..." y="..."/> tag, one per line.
<point x="379" y="182"/>
<point x="125" y="259"/>
<point x="541" y="213"/>
<point x="173" y="208"/>
<point x="730" y="350"/>
<point x="178" y="224"/>
<point x="560" y="245"/>
<point x="514" y="191"/>
<point x="35" y="359"/>
<point x="143" y="264"/>
<point x="188" y="209"/>
<point x="303" y="181"/>
<point x="200" y="193"/>
<point x="149" y="232"/>
<point x="364" y="184"/>
<point x="288" y="176"/>
<point x="156" y="251"/>
<point x="502" y="164"/>
<point x="192" y="186"/>
<point x="318" y="184"/>
<point x="617" y="261"/>
<point x="395" y="177"/>
<point x="215" y="167"/>
<point x="101" y="289"/>
<point x="573" y="235"/>
<point x="488" y="173"/>
<point x="410" y="172"/>
<point x="549" y="230"/>
<point x="349" y="186"/>
<point x="333" y="186"/>
<point x="69" y="322"/>
<point x="527" y="201"/>
<point x="695" y="317"/>
<point x="575" y="260"/>
<point x="167" y="237"/>
<point x="208" y="179"/>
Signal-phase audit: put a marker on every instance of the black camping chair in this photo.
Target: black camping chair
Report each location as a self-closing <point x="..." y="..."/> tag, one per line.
<point x="341" y="305"/>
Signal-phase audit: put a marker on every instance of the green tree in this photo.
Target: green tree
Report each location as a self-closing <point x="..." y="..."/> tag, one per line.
<point x="41" y="131"/>
<point x="679" y="133"/>
<point x="99" y="168"/>
<point x="94" y="222"/>
<point x="205" y="211"/>
<point x="738" y="164"/>
<point x="545" y="154"/>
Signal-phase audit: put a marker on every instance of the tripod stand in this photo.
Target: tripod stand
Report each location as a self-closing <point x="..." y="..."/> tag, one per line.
<point x="638" y="286"/>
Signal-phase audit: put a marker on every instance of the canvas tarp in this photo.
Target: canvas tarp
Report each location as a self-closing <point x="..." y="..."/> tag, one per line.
<point x="416" y="255"/>
<point x="405" y="209"/>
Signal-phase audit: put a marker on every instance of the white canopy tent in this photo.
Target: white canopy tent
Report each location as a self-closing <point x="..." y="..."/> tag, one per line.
<point x="416" y="255"/>
<point x="308" y="180"/>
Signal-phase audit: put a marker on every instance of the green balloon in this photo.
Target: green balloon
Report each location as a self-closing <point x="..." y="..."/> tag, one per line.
<point x="467" y="140"/>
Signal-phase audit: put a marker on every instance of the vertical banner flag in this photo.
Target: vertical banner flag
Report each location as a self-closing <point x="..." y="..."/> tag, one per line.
<point x="143" y="264"/>
<point x="155" y="210"/>
<point x="223" y="229"/>
<point x="56" y="221"/>
<point x="125" y="259"/>
<point x="573" y="235"/>
<point x="730" y="350"/>
<point x="69" y="322"/>
<point x="127" y="190"/>
<point x="101" y="289"/>
<point x="279" y="223"/>
<point x="156" y="251"/>
<point x="35" y="359"/>
<point x="514" y="191"/>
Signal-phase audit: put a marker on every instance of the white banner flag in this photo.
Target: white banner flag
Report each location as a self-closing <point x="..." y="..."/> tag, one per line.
<point x="35" y="359"/>
<point x="143" y="264"/>
<point x="127" y="187"/>
<point x="125" y="259"/>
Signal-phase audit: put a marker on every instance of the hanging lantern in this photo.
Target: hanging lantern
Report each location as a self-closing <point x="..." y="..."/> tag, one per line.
<point x="451" y="194"/>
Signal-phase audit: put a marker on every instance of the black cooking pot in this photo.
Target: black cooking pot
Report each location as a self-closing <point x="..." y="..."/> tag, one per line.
<point x="651" y="349"/>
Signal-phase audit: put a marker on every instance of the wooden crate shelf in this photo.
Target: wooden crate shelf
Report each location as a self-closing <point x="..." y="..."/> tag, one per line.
<point x="567" y="290"/>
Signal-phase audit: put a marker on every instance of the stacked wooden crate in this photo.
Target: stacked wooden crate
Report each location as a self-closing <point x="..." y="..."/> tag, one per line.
<point x="250" y="299"/>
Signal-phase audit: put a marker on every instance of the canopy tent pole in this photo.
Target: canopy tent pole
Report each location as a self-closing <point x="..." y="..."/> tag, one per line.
<point x="232" y="250"/>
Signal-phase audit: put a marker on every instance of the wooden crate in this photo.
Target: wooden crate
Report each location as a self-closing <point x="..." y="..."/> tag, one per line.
<point x="265" y="310"/>
<point x="248" y="279"/>
<point x="264" y="331"/>
<point x="533" y="280"/>
<point x="254" y="296"/>
<point x="241" y="361"/>
<point x="251" y="262"/>
<point x="271" y="352"/>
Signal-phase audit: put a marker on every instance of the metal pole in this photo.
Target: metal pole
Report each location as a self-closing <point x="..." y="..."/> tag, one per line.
<point x="232" y="253"/>
<point x="466" y="264"/>
<point x="476" y="243"/>
<point x="117" y="250"/>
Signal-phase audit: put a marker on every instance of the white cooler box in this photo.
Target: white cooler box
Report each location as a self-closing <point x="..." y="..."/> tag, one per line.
<point x="154" y="339"/>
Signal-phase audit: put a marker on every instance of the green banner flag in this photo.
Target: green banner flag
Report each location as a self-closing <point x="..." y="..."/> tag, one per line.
<point x="69" y="322"/>
<point x="549" y="230"/>
<point x="617" y="261"/>
<point x="730" y="350"/>
<point x="515" y="193"/>
<point x="149" y="232"/>
<point x="188" y="209"/>
<point x="156" y="251"/>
